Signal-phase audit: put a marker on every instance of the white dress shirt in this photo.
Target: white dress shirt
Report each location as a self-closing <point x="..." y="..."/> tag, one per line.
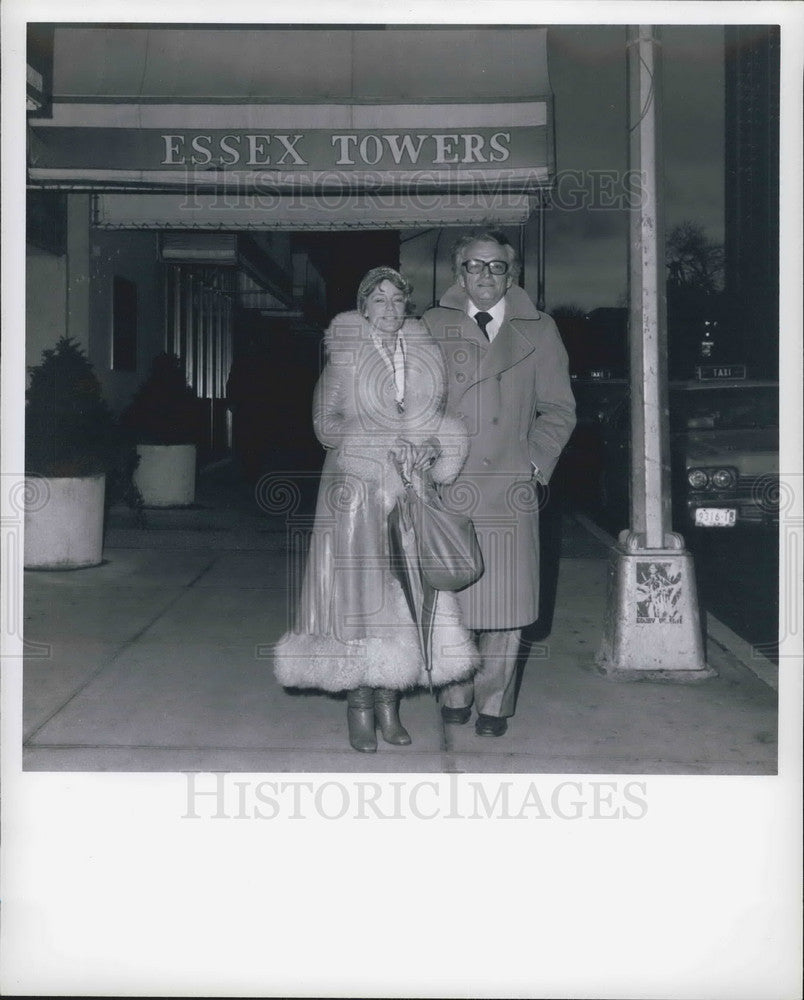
<point x="497" y="313"/>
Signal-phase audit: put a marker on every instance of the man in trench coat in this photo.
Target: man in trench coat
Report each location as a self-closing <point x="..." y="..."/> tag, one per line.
<point x="508" y="380"/>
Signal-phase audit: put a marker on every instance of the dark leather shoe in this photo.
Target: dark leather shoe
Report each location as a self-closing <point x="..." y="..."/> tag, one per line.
<point x="490" y="725"/>
<point x="455" y="716"/>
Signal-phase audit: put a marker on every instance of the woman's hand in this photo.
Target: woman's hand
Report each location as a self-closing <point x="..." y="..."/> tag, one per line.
<point x="416" y="457"/>
<point x="399" y="453"/>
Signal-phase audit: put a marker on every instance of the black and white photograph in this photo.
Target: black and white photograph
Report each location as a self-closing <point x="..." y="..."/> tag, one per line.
<point x="402" y="425"/>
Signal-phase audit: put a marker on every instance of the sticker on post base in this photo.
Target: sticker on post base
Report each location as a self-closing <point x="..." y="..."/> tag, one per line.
<point x="658" y="593"/>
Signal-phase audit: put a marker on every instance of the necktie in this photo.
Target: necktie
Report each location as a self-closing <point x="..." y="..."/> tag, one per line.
<point x="483" y="319"/>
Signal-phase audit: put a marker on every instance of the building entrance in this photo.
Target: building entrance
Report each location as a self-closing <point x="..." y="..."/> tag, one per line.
<point x="277" y="353"/>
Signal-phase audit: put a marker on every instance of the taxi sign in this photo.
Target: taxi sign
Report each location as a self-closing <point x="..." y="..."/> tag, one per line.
<point x="711" y="373"/>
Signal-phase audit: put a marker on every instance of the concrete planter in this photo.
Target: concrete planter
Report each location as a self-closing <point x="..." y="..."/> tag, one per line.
<point x="165" y="475"/>
<point x="64" y="522"/>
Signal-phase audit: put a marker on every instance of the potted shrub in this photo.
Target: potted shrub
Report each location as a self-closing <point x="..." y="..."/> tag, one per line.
<point x="76" y="457"/>
<point x="163" y="418"/>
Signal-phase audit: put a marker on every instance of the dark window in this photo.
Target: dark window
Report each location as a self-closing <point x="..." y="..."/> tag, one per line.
<point x="724" y="409"/>
<point x="46" y="221"/>
<point x="124" y="325"/>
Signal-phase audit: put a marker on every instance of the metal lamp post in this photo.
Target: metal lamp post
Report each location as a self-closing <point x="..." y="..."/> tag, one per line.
<point x="652" y="628"/>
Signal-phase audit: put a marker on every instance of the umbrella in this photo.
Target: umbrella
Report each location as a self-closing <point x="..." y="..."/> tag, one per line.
<point x="421" y="598"/>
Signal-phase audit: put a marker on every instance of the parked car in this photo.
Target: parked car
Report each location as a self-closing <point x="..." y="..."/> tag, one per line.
<point x="724" y="455"/>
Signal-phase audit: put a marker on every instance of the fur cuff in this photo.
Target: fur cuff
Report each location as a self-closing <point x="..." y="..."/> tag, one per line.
<point x="454" y="440"/>
<point x="372" y="466"/>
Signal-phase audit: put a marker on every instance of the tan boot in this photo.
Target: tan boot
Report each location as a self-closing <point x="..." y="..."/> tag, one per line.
<point x="360" y="719"/>
<point x="386" y="709"/>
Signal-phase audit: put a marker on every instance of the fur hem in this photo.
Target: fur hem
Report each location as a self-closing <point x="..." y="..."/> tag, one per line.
<point x="330" y="664"/>
<point x="390" y="658"/>
<point x="454" y="655"/>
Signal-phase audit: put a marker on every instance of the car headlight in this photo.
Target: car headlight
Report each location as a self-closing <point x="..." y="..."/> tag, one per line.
<point x="722" y="479"/>
<point x="697" y="479"/>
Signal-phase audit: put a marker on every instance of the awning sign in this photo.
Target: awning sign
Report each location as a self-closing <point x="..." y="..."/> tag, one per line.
<point x="168" y="155"/>
<point x="154" y="149"/>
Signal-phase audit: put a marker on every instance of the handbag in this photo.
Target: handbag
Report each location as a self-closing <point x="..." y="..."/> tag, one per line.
<point x="447" y="548"/>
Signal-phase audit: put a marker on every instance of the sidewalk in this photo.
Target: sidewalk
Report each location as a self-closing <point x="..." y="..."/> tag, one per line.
<point x="159" y="660"/>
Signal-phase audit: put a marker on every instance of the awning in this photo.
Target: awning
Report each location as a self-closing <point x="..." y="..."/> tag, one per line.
<point x="341" y="210"/>
<point x="310" y="114"/>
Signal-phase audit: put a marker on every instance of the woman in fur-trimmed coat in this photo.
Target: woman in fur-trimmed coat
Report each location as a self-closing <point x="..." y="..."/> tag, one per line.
<point x="378" y="407"/>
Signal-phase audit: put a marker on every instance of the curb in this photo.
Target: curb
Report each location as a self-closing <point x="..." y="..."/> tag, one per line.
<point x="743" y="651"/>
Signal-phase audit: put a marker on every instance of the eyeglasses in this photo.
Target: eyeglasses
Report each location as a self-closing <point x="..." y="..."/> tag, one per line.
<point x="475" y="266"/>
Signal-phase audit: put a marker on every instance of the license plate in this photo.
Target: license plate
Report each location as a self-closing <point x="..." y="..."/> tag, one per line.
<point x="715" y="517"/>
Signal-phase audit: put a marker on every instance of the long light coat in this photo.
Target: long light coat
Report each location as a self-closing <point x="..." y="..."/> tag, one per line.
<point x="514" y="396"/>
<point x="354" y="626"/>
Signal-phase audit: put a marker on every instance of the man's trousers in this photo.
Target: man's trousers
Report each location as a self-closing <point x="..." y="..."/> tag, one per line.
<point x="493" y="688"/>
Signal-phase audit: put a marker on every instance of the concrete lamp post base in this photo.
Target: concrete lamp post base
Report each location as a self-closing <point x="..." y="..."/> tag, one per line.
<point x="653" y="629"/>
